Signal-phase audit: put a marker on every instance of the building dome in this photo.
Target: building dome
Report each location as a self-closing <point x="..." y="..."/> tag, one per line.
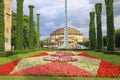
<point x="74" y="36"/>
<point x="71" y="31"/>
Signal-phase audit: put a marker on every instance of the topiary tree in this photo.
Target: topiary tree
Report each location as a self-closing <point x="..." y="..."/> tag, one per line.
<point x="110" y="25"/>
<point x="31" y="28"/>
<point x="19" y="26"/>
<point x="2" y="39"/>
<point x="92" y="32"/>
<point x="98" y="9"/>
<point x="38" y="31"/>
<point x="117" y="38"/>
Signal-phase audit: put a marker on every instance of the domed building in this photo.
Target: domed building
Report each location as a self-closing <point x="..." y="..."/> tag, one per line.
<point x="74" y="36"/>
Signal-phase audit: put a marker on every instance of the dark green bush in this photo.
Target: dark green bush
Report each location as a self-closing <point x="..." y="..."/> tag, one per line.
<point x="10" y="53"/>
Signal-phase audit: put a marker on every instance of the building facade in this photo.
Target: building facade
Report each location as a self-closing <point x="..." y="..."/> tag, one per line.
<point x="74" y="36"/>
<point x="5" y="24"/>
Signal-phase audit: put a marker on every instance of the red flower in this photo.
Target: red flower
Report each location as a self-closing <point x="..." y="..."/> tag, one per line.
<point x="5" y="69"/>
<point x="54" y="69"/>
<point x="107" y="69"/>
<point x="41" y="54"/>
<point x="87" y="55"/>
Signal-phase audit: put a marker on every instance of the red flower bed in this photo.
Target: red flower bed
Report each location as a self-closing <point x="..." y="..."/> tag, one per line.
<point x="41" y="54"/>
<point x="107" y="69"/>
<point x="54" y="69"/>
<point x="119" y="70"/>
<point x="63" y="53"/>
<point x="87" y="55"/>
<point x="5" y="69"/>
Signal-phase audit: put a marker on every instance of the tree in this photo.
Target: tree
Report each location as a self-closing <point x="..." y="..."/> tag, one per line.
<point x="38" y="31"/>
<point x="85" y="43"/>
<point x="104" y="40"/>
<point x="98" y="8"/>
<point x="2" y="40"/>
<point x="31" y="28"/>
<point x="110" y="25"/>
<point x="117" y="38"/>
<point x="92" y="32"/>
<point x="19" y="26"/>
<point x="25" y="30"/>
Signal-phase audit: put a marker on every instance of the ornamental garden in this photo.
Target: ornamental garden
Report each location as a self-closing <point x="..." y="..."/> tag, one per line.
<point x="21" y="53"/>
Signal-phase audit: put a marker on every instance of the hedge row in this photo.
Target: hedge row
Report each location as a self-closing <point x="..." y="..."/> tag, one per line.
<point x="2" y="39"/>
<point x="19" y="26"/>
<point x="110" y="25"/>
<point x="10" y="53"/>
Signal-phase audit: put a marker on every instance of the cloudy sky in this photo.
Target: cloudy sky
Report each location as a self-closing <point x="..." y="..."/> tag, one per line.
<point x="52" y="14"/>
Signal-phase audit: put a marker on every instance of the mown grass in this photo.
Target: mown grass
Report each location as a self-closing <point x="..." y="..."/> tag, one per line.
<point x="4" y="60"/>
<point x="115" y="59"/>
<point x="52" y="78"/>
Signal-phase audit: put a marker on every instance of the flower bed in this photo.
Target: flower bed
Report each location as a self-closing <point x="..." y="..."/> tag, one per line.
<point x="87" y="55"/>
<point x="54" y="68"/>
<point x="60" y="58"/>
<point x="82" y="64"/>
<point x="107" y="69"/>
<point x="5" y="69"/>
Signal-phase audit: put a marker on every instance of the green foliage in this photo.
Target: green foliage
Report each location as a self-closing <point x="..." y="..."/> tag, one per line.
<point x="31" y="28"/>
<point x="19" y="26"/>
<point x="98" y="8"/>
<point x="25" y="30"/>
<point x="2" y="39"/>
<point x="110" y="25"/>
<point x="117" y="38"/>
<point x="85" y="43"/>
<point x="38" y="31"/>
<point x="92" y="32"/>
<point x="105" y="41"/>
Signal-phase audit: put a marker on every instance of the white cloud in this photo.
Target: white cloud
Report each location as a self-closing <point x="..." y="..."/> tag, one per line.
<point x="117" y="22"/>
<point x="50" y="24"/>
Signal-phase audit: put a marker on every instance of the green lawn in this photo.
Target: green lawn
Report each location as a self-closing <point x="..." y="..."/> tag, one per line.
<point x="111" y="58"/>
<point x="4" y="60"/>
<point x="52" y="78"/>
<point x="115" y="59"/>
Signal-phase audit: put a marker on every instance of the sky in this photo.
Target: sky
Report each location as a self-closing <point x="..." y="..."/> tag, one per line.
<point x="52" y="14"/>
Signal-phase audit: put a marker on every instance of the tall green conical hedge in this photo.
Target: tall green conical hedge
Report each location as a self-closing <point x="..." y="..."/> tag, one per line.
<point x="92" y="31"/>
<point x="31" y="28"/>
<point x="110" y="25"/>
<point x="38" y="30"/>
<point x="19" y="26"/>
<point x="2" y="39"/>
<point x="98" y="9"/>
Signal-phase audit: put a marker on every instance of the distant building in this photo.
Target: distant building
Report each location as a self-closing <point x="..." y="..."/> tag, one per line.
<point x="5" y="24"/>
<point x="74" y="36"/>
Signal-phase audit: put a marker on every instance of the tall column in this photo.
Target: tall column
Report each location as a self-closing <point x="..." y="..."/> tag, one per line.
<point x="38" y="30"/>
<point x="98" y="8"/>
<point x="92" y="32"/>
<point x="31" y="28"/>
<point x="19" y="25"/>
<point x="110" y="25"/>
<point x="66" y="27"/>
